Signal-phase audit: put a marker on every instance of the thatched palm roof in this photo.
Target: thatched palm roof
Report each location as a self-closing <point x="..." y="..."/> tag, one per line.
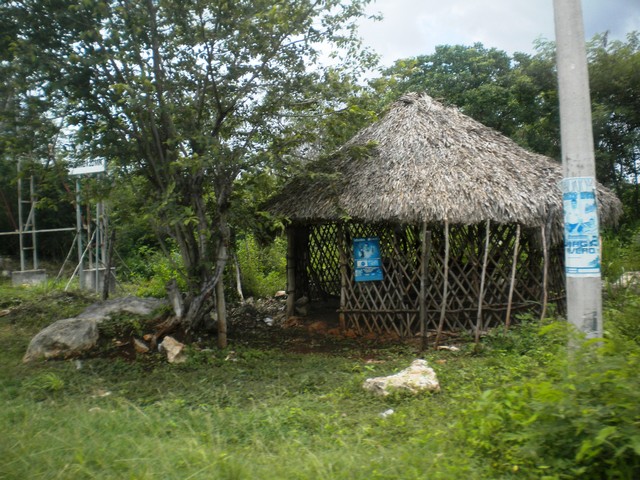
<point x="429" y="162"/>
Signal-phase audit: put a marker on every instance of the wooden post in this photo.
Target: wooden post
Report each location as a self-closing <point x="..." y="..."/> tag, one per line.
<point x="425" y="258"/>
<point x="545" y="272"/>
<point x="291" y="271"/>
<point x="516" y="248"/>
<point x="221" y="309"/>
<point x="107" y="268"/>
<point x="482" y="280"/>
<point x="236" y="266"/>
<point x="344" y="279"/>
<point x="221" y="306"/>
<point x="445" y="287"/>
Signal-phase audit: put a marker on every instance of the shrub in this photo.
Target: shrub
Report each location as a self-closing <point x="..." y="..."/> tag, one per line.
<point x="620" y="253"/>
<point x="262" y="268"/>
<point x="578" y="419"/>
<point x="151" y="270"/>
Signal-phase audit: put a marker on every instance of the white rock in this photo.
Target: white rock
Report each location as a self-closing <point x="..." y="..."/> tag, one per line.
<point x="418" y="377"/>
<point x="64" y="338"/>
<point x="140" y="346"/>
<point x="174" y="350"/>
<point x="450" y="348"/>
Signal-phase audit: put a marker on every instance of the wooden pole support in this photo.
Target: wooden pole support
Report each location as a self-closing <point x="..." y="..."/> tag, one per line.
<point x="291" y="271"/>
<point x="445" y="286"/>
<point x="514" y="265"/>
<point x="482" y="280"/>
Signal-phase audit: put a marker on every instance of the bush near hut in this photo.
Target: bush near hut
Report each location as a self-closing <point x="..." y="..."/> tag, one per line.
<point x="262" y="267"/>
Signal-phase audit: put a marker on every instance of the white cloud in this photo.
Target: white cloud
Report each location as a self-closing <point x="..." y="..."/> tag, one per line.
<point x="415" y="27"/>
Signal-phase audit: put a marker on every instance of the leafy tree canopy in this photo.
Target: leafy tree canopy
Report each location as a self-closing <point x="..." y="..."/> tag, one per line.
<point x="184" y="98"/>
<point x="517" y="95"/>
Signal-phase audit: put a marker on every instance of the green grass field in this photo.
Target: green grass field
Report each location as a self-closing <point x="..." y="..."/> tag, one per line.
<point x="270" y="413"/>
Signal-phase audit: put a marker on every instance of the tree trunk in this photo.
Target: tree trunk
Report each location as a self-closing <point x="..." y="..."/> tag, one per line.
<point x="221" y="307"/>
<point x="238" y="277"/>
<point x="197" y="306"/>
<point x="109" y="261"/>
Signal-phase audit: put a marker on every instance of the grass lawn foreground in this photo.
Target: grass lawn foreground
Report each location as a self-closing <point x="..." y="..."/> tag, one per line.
<point x="515" y="408"/>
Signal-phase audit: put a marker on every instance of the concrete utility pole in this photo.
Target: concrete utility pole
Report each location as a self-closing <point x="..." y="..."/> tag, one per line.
<point x="582" y="240"/>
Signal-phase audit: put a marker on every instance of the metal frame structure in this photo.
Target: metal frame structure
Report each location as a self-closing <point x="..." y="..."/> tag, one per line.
<point x="28" y="232"/>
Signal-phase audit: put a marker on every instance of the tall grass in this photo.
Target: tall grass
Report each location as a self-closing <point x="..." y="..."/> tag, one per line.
<point x="266" y="413"/>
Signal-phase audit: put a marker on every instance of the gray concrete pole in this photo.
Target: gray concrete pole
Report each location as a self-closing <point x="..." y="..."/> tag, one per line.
<point x="582" y="242"/>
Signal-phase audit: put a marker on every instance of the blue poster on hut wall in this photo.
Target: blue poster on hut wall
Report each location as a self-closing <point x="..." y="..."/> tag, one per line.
<point x="581" y="233"/>
<point x="367" y="259"/>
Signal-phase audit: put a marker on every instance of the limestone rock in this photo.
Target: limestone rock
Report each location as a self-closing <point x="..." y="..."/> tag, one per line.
<point x="302" y="306"/>
<point x="418" y="377"/>
<point x="174" y="350"/>
<point x="134" y="305"/>
<point x="140" y="346"/>
<point x="64" y="338"/>
<point x="72" y="336"/>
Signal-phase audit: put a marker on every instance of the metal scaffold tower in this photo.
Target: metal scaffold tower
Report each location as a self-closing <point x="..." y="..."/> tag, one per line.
<point x="27" y="232"/>
<point x="90" y="240"/>
<point x="27" y="228"/>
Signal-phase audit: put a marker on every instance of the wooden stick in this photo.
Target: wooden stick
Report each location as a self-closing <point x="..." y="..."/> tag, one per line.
<point x="426" y="257"/>
<point x="443" y="307"/>
<point x="516" y="248"/>
<point x="482" y="280"/>
<point x="545" y="268"/>
<point x="291" y="271"/>
<point x="342" y="247"/>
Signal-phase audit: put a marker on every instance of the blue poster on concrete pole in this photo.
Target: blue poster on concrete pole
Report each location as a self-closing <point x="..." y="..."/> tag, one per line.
<point x="581" y="233"/>
<point x="367" y="259"/>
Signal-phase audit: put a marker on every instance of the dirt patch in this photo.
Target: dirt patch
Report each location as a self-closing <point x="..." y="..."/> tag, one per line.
<point x="263" y="324"/>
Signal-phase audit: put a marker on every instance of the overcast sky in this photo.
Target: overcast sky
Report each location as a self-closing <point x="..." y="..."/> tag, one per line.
<point x="415" y="27"/>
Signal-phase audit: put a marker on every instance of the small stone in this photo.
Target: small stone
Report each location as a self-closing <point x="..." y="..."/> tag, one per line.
<point x="387" y="413"/>
<point x="302" y="301"/>
<point x="416" y="378"/>
<point x="174" y="350"/>
<point x="140" y="346"/>
<point x="449" y="348"/>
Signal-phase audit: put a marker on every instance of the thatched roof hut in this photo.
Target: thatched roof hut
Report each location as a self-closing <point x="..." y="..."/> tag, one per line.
<point x="426" y="165"/>
<point x="429" y="162"/>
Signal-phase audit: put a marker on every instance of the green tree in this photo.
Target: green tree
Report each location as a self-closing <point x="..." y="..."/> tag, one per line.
<point x="28" y="123"/>
<point x="184" y="97"/>
<point x="614" y="71"/>
<point x="515" y="95"/>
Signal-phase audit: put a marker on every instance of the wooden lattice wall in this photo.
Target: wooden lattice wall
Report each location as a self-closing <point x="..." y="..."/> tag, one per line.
<point x="324" y="269"/>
